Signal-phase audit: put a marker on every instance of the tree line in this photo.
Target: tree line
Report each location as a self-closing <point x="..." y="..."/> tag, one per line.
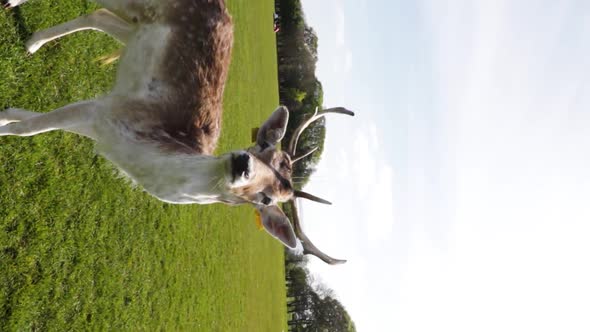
<point x="299" y="88"/>
<point x="312" y="306"/>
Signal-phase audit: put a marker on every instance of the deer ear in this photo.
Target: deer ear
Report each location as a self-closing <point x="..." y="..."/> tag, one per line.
<point x="273" y="129"/>
<point x="277" y="224"/>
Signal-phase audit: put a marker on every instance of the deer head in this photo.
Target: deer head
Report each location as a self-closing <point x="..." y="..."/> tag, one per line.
<point x="262" y="176"/>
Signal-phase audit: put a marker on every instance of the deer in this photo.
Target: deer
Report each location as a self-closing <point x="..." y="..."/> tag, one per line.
<point x="160" y="123"/>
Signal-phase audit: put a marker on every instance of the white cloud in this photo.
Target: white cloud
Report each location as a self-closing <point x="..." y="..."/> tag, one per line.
<point x="334" y="42"/>
<point x="507" y="115"/>
<point x="354" y="174"/>
<point x="372" y="179"/>
<point x="347" y="61"/>
<point x="343" y="62"/>
<point x="362" y="5"/>
<point x="340" y="17"/>
<point x="512" y="93"/>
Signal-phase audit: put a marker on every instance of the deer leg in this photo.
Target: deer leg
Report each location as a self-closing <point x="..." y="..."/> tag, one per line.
<point x="12" y="3"/>
<point x="77" y="118"/>
<point x="102" y="20"/>
<point x="15" y="115"/>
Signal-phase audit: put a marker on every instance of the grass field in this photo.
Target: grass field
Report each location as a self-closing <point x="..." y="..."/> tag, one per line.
<point x="80" y="249"/>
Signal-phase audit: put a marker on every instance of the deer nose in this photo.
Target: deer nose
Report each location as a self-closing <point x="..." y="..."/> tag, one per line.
<point x="241" y="166"/>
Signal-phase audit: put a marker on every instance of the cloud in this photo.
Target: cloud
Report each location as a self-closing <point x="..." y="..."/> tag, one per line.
<point x="340" y="22"/>
<point x="511" y="89"/>
<point x="357" y="176"/>
<point x="347" y="61"/>
<point x="342" y="63"/>
<point x="362" y="5"/>
<point x="373" y="180"/>
<point x="342" y="59"/>
<point x="330" y="19"/>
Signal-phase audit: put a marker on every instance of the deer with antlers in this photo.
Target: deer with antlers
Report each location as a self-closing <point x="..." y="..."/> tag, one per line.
<point x="161" y="122"/>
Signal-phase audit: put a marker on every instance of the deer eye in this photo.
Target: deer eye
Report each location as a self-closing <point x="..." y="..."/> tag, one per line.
<point x="265" y="199"/>
<point x="285" y="165"/>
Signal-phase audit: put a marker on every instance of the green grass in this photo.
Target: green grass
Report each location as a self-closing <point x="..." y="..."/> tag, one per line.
<point x="80" y="249"/>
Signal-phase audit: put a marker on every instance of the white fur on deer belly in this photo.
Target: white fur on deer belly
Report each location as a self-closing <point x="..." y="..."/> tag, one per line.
<point x="140" y="67"/>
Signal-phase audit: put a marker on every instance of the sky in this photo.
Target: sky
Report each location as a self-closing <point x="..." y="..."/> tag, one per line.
<point x="461" y="189"/>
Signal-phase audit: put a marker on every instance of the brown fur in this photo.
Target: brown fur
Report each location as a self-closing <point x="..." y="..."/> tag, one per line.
<point x="197" y="73"/>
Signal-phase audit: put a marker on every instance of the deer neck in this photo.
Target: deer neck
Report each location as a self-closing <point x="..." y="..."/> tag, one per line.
<point x="173" y="178"/>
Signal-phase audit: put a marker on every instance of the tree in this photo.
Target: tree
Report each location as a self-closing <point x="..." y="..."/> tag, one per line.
<point x="310" y="39"/>
<point x="299" y="88"/>
<point x="312" y="306"/>
<point x="331" y="316"/>
<point x="295" y="94"/>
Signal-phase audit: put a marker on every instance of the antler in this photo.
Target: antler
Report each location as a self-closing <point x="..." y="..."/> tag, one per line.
<point x="302" y="194"/>
<point x="295" y="159"/>
<point x="292" y="147"/>
<point x="308" y="247"/>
